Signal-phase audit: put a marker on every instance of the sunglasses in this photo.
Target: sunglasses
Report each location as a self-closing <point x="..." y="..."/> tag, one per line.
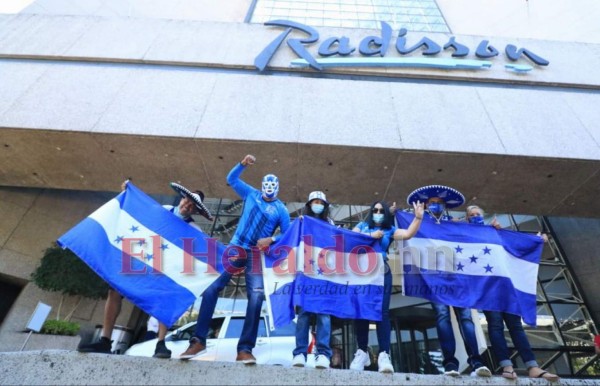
<point x="379" y="210"/>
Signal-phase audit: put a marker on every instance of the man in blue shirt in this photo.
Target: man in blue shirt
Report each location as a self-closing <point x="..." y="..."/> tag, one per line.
<point x="437" y="198"/>
<point x="263" y="212"/>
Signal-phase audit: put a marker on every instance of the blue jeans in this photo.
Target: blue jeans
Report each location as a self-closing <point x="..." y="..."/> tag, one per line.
<point x="446" y="336"/>
<point x="323" y="334"/>
<point x="256" y="295"/>
<point x="496" y="322"/>
<point x="384" y="328"/>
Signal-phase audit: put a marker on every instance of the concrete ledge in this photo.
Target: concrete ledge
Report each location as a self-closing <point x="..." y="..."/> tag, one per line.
<point x="55" y="367"/>
<point x="54" y="342"/>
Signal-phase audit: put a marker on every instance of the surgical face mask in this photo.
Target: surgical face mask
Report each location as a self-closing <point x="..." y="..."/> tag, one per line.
<point x="177" y="213"/>
<point x="378" y="218"/>
<point x="436" y="208"/>
<point x="476" y="220"/>
<point x="270" y="186"/>
<point x="317" y="208"/>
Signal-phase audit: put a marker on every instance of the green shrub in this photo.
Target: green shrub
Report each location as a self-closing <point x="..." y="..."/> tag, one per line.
<point x="60" y="327"/>
<point x="62" y="271"/>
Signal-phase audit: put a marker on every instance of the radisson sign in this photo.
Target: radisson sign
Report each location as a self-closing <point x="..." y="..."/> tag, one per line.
<point x="335" y="51"/>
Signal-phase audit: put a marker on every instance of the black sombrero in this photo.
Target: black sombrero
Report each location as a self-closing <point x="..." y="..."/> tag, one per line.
<point x="197" y="197"/>
<point x="452" y="197"/>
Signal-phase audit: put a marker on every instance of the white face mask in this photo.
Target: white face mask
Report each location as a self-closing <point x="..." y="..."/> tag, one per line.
<point x="317" y="208"/>
<point x="378" y="218"/>
<point x="177" y="213"/>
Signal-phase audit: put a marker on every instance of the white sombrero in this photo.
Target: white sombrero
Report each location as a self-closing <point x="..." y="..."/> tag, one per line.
<point x="197" y="197"/>
<point x="451" y="196"/>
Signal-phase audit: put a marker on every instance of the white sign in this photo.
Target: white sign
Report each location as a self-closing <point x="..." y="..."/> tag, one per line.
<point x="39" y="317"/>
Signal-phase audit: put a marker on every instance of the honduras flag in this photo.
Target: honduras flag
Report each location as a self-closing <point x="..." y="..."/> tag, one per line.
<point x="472" y="266"/>
<point x="147" y="254"/>
<point x="325" y="270"/>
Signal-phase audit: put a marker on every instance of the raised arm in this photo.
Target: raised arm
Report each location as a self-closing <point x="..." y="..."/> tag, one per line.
<point x="413" y="228"/>
<point x="124" y="184"/>
<point x="234" y="180"/>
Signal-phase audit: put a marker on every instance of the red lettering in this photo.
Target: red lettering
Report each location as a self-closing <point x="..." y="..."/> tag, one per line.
<point x="356" y="253"/>
<point x="127" y="254"/>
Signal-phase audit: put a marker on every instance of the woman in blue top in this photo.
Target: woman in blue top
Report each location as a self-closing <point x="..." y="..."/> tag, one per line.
<point x="379" y="224"/>
<point x="316" y="207"/>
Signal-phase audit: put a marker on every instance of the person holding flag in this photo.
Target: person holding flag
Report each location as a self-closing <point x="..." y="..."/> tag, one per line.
<point x="437" y="199"/>
<point x="379" y="225"/>
<point x="317" y="207"/>
<point x="496" y="321"/>
<point x="262" y="214"/>
<point x="190" y="203"/>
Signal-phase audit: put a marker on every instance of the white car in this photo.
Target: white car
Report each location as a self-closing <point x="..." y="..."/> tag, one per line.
<point x="272" y="347"/>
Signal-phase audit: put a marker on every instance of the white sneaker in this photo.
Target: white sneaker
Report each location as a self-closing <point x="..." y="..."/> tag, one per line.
<point x="361" y="360"/>
<point x="298" y="360"/>
<point x="384" y="363"/>
<point x="481" y="372"/>
<point x="452" y="373"/>
<point x="322" y="362"/>
<point x="451" y="370"/>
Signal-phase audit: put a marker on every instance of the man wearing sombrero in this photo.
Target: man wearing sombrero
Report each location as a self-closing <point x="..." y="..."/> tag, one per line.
<point x="437" y="199"/>
<point x="190" y="204"/>
<point x="263" y="212"/>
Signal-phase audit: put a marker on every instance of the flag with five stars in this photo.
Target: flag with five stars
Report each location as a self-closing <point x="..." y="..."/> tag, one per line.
<point x="325" y="270"/>
<point x="146" y="253"/>
<point x="472" y="266"/>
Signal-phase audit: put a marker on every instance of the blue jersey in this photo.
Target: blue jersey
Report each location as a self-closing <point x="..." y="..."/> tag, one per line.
<point x="259" y="218"/>
<point x="386" y="240"/>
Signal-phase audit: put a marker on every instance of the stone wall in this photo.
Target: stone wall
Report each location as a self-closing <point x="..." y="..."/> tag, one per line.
<point x="30" y="220"/>
<point x="71" y="368"/>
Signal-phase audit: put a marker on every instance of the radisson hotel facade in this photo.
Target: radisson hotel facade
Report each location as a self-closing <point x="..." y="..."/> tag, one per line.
<point x="362" y="99"/>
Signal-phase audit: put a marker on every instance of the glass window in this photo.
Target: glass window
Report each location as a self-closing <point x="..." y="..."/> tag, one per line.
<point x="189" y="332"/>
<point x="287" y="330"/>
<point x="527" y="223"/>
<point x="354" y="13"/>
<point x="214" y="328"/>
<point x="234" y="330"/>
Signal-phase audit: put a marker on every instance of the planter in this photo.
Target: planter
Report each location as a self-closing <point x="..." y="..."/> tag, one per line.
<point x="51" y="342"/>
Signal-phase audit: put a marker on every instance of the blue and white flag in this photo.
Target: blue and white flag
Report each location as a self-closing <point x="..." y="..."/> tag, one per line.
<point x="325" y="270"/>
<point x="147" y="254"/>
<point x="472" y="266"/>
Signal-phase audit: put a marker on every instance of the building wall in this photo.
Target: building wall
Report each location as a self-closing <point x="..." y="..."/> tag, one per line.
<point x="147" y="97"/>
<point x="30" y="220"/>
<point x="561" y="20"/>
<point x="201" y="10"/>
